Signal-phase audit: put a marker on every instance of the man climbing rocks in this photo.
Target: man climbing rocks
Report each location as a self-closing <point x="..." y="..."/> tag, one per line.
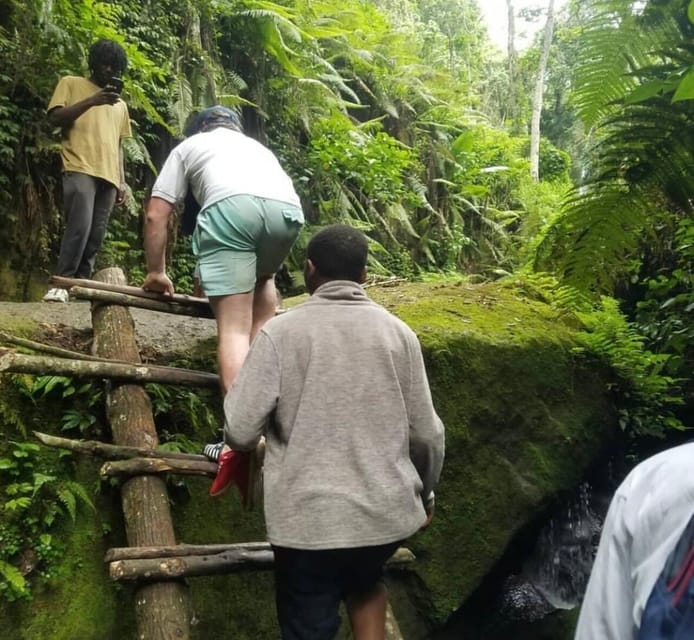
<point x="250" y="217"/>
<point x="94" y="120"/>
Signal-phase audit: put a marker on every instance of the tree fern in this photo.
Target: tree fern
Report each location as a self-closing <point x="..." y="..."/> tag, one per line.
<point x="69" y="493"/>
<point x="646" y="148"/>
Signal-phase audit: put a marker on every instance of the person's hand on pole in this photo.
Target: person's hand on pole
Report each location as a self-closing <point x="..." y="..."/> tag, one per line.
<point x="158" y="282"/>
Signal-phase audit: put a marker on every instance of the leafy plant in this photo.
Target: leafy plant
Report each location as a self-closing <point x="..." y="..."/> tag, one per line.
<point x="179" y="410"/>
<point x="83" y="403"/>
<point x="35" y="495"/>
<point x="647" y="394"/>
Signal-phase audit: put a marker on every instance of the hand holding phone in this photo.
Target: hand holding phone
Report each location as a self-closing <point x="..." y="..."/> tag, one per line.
<point x="116" y="84"/>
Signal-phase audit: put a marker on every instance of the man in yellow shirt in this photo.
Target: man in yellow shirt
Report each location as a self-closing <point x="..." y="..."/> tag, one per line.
<point x="94" y="120"/>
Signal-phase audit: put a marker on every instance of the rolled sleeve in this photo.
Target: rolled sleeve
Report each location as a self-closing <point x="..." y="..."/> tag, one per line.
<point x="61" y="95"/>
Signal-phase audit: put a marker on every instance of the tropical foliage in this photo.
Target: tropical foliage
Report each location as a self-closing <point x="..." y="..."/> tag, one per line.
<point x="626" y="230"/>
<point x="362" y="104"/>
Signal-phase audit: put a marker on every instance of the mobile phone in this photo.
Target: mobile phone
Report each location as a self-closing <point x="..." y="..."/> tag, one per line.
<point x="116" y="84"/>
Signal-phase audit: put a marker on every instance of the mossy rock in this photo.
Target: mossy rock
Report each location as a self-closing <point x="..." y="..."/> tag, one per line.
<point x="524" y="419"/>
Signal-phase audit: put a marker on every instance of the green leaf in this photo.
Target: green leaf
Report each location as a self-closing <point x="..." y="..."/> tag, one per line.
<point x="690" y="11"/>
<point x="645" y="91"/>
<point x="66" y="496"/>
<point x="13" y="576"/>
<point x="685" y="89"/>
<point x="18" y="504"/>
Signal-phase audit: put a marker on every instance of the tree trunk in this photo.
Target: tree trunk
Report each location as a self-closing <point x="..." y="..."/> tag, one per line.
<point x="537" y="96"/>
<point x="510" y="41"/>
<point x="162" y="609"/>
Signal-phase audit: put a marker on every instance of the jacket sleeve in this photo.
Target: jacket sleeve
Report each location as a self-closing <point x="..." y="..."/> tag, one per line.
<point x="426" y="429"/>
<point x="253" y="396"/>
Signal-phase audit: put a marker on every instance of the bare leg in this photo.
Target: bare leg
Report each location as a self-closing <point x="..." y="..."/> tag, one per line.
<point x="264" y="303"/>
<point x="234" y="315"/>
<point x="367" y="613"/>
<point x="236" y="329"/>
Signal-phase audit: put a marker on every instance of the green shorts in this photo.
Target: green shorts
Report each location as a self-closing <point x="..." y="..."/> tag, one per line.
<point x="242" y="238"/>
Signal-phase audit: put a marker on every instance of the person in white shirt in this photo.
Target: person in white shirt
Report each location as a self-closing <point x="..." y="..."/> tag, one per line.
<point x="250" y="216"/>
<point x="645" y="522"/>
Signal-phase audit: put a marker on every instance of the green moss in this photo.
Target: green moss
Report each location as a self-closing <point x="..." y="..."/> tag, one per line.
<point x="17" y="325"/>
<point x="79" y="600"/>
<point x="523" y="419"/>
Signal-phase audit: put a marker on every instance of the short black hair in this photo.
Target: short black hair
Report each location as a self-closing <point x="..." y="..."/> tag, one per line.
<point x="339" y="252"/>
<point x="107" y="51"/>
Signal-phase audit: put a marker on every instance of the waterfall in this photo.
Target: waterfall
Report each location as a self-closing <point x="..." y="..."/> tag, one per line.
<point x="556" y="573"/>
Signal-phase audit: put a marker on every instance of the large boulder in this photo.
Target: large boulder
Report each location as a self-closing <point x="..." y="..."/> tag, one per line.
<point x="524" y="415"/>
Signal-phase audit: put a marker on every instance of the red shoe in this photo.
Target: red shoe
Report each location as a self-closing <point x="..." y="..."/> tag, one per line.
<point x="233" y="468"/>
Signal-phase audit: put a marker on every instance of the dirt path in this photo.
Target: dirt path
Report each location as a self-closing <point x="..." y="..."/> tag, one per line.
<point x="161" y="332"/>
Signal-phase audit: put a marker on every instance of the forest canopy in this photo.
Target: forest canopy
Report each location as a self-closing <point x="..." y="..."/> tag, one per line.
<point x="401" y="118"/>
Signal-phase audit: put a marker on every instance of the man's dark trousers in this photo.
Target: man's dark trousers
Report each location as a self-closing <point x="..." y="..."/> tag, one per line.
<point x="87" y="202"/>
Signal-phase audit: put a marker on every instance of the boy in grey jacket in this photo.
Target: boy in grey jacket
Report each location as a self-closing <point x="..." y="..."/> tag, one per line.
<point x="354" y="446"/>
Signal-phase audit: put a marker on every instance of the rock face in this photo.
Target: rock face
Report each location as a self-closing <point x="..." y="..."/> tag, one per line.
<point x="524" y="418"/>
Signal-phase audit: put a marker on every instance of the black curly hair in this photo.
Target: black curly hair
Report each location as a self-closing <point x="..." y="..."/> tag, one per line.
<point x="339" y="252"/>
<point x="107" y="51"/>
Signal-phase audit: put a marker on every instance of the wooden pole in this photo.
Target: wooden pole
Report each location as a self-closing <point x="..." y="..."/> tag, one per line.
<point x="129" y="300"/>
<point x="233" y="559"/>
<point x="112" y="451"/>
<point x="202" y="304"/>
<point x="402" y="556"/>
<point x="104" y="368"/>
<point x="8" y="338"/>
<point x="157" y="466"/>
<point x="162" y="609"/>
<point x="141" y="553"/>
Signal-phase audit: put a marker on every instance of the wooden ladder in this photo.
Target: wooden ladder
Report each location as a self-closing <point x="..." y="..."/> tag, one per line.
<point x="153" y="560"/>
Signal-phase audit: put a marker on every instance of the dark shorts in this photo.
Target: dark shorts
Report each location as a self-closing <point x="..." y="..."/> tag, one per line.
<point x="309" y="586"/>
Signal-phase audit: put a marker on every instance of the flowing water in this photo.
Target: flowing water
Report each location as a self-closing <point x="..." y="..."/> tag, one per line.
<point x="527" y="596"/>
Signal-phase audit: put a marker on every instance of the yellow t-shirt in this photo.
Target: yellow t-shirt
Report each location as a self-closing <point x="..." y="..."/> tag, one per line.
<point x="92" y="144"/>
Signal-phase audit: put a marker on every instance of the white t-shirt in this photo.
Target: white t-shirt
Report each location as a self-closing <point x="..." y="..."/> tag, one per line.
<point x="222" y="163"/>
<point x="645" y="520"/>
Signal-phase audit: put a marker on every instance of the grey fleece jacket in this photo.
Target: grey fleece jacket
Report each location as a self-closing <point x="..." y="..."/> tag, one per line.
<point x="354" y="445"/>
